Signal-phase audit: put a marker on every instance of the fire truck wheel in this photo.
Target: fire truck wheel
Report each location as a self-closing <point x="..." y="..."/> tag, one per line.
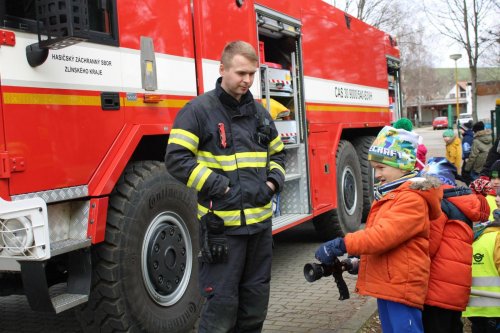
<point x="362" y="144"/>
<point x="326" y="227"/>
<point x="349" y="210"/>
<point x="347" y="217"/>
<point x="145" y="272"/>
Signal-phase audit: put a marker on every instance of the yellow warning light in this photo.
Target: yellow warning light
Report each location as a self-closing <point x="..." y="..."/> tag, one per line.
<point x="149" y="67"/>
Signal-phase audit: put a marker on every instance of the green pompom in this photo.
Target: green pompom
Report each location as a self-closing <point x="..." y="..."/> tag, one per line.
<point x="448" y="133"/>
<point x="404" y="123"/>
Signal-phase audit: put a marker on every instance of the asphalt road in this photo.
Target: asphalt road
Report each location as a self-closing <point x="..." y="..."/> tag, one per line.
<point x="295" y="305"/>
<point x="433" y="140"/>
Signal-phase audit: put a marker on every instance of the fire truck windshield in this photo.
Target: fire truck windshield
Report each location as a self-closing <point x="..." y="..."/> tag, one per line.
<point x="18" y="14"/>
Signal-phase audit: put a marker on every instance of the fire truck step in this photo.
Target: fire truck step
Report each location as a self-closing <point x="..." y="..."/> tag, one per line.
<point x="67" y="301"/>
<point x="76" y="287"/>
<point x="68" y="245"/>
<point x="286" y="219"/>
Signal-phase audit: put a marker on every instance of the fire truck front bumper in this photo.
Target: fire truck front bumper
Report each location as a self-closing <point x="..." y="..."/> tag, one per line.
<point x="24" y="232"/>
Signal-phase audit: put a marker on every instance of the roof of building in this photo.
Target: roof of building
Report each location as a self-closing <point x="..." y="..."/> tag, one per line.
<point x="488" y="88"/>
<point x="462" y="84"/>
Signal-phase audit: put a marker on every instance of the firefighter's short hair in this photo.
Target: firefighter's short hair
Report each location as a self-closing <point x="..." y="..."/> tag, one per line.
<point x="238" y="47"/>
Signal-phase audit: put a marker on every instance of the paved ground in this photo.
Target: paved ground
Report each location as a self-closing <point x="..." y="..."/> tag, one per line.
<point x="17" y="317"/>
<point x="433" y="140"/>
<point x="295" y="306"/>
<point x="299" y="306"/>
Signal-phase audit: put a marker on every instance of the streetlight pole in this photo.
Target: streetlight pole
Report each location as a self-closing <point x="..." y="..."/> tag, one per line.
<point x="456" y="57"/>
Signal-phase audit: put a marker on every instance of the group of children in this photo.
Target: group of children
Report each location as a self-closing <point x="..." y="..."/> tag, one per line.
<point x="419" y="254"/>
<point x="469" y="154"/>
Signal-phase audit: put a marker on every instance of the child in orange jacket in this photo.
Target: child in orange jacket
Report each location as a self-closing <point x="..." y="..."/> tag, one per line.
<point x="394" y="246"/>
<point x="450" y="250"/>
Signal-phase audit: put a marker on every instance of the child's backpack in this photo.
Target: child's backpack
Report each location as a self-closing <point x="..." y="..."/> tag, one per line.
<point x="450" y="209"/>
<point x="450" y="251"/>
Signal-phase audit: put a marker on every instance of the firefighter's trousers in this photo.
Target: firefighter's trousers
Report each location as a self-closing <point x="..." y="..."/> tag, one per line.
<point x="238" y="291"/>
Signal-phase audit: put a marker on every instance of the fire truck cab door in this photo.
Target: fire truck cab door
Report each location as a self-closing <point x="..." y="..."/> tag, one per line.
<point x="216" y="23"/>
<point x="53" y="112"/>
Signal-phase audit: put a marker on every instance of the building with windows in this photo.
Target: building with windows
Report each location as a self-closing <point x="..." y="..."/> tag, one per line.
<point x="424" y="111"/>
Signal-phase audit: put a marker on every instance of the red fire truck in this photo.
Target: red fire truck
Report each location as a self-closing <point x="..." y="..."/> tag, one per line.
<point x="89" y="90"/>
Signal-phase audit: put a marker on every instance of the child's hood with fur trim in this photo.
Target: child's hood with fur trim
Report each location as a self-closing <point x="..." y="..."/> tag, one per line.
<point x="430" y="189"/>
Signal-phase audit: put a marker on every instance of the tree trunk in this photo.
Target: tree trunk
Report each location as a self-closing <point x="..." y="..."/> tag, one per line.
<point x="473" y="74"/>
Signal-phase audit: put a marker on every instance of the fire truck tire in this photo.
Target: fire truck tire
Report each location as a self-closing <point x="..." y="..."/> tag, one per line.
<point x="144" y="275"/>
<point x="362" y="144"/>
<point x="349" y="210"/>
<point x="326" y="227"/>
<point x="347" y="217"/>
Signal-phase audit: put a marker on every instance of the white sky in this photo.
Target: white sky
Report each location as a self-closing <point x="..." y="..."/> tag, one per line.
<point x="440" y="47"/>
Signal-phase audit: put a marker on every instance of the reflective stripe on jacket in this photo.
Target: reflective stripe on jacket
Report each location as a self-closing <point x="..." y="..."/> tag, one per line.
<point x="484" y="277"/>
<point x="213" y="145"/>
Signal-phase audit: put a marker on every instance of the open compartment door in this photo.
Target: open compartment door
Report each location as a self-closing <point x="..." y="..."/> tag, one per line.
<point x="282" y="95"/>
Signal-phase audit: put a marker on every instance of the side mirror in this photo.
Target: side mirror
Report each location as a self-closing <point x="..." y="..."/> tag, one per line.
<point x="62" y="22"/>
<point x="35" y="55"/>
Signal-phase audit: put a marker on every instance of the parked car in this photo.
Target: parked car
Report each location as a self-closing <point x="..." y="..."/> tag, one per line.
<point x="464" y="118"/>
<point x="440" y="122"/>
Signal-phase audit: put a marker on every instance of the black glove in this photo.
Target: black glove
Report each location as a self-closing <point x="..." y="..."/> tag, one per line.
<point x="214" y="247"/>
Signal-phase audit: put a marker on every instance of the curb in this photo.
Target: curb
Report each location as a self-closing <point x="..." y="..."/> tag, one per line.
<point x="358" y="319"/>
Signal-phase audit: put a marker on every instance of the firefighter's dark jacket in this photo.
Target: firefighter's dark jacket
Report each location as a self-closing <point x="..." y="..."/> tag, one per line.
<point x="196" y="156"/>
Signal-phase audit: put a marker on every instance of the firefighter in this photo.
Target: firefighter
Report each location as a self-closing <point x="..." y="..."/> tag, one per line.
<point x="226" y="146"/>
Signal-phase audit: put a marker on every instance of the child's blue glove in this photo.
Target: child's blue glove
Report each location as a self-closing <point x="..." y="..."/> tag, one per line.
<point x="327" y="252"/>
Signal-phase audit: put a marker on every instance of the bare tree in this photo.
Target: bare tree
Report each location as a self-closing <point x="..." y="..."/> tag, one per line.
<point x="379" y="13"/>
<point x="466" y="22"/>
<point x="492" y="54"/>
<point x="419" y="80"/>
<point x="397" y="17"/>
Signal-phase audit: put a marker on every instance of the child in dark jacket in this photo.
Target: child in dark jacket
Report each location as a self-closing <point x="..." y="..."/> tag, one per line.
<point x="467" y="138"/>
<point x="481" y="145"/>
<point x="450" y="250"/>
<point x="394" y="246"/>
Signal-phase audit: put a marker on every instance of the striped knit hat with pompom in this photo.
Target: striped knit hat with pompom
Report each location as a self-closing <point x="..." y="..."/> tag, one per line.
<point x="395" y="147"/>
